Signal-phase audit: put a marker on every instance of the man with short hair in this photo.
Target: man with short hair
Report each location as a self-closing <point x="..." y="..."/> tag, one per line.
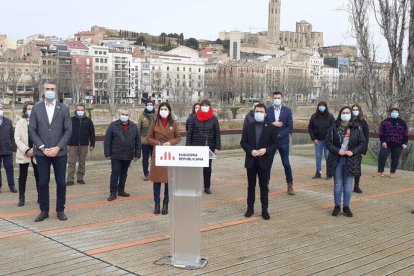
<point x="83" y="137"/>
<point x="122" y="144"/>
<point x="281" y="117"/>
<point x="259" y="141"/>
<point x="249" y="118"/>
<point x="50" y="129"/>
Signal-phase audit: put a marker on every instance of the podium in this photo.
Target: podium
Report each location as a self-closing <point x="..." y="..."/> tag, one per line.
<point x="185" y="181"/>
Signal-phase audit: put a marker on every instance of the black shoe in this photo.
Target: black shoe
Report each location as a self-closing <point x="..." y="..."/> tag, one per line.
<point x="347" y="211"/>
<point x="317" y="175"/>
<point x="207" y="191"/>
<point x="265" y="215"/>
<point x="13" y="189"/>
<point x="61" y="216"/>
<point x="249" y="213"/>
<point x="157" y="208"/>
<point x="357" y="189"/>
<point x="164" y="209"/>
<point x="41" y="217"/>
<point x="336" y="211"/>
<point x="123" y="194"/>
<point x="81" y="181"/>
<point x="112" y="196"/>
<point x="21" y="201"/>
<point x="146" y="178"/>
<point x="69" y="183"/>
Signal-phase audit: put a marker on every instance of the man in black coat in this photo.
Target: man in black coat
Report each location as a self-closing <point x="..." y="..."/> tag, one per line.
<point x="259" y="141"/>
<point x="83" y="137"/>
<point x="7" y="147"/>
<point x="122" y="144"/>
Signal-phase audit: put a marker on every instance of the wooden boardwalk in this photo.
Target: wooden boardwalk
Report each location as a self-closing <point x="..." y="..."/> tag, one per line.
<point x="124" y="237"/>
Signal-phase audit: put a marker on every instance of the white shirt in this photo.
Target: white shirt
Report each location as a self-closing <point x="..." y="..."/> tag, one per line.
<point x="50" y="109"/>
<point x="277" y="112"/>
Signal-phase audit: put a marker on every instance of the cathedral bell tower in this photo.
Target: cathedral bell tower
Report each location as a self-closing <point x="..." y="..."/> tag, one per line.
<point x="273" y="32"/>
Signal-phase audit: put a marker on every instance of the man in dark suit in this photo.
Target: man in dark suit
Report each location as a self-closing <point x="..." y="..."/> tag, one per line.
<point x="281" y="117"/>
<point x="259" y="141"/>
<point x="50" y="129"/>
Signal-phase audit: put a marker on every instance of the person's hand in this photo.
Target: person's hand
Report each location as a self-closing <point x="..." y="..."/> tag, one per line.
<point x="53" y="151"/>
<point x="262" y="151"/>
<point x="278" y="124"/>
<point x="108" y="157"/>
<point x="29" y="153"/>
<point x="342" y="152"/>
<point x="316" y="142"/>
<point x="216" y="151"/>
<point x="404" y="146"/>
<point x="91" y="148"/>
<point x="254" y="153"/>
<point x="349" y="153"/>
<point x="384" y="145"/>
<point x="167" y="144"/>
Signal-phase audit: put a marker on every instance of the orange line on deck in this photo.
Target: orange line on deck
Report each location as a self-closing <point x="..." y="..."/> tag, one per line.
<point x="15" y="234"/>
<point x="164" y="237"/>
<point x="360" y="198"/>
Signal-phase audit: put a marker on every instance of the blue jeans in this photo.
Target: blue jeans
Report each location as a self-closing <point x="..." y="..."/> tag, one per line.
<point x="146" y="153"/>
<point x="8" y="167"/>
<point x="320" y="149"/>
<point x="395" y="158"/>
<point x="157" y="191"/>
<point x="119" y="175"/>
<point x="43" y="169"/>
<point x="343" y="183"/>
<point x="284" y="155"/>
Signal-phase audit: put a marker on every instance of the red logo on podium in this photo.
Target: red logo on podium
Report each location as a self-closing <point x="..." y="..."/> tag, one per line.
<point x="167" y="156"/>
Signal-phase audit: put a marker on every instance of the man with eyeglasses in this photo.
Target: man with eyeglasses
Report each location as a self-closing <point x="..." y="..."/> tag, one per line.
<point x="50" y="129"/>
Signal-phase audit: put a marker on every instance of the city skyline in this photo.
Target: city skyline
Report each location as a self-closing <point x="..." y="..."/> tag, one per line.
<point x="51" y="18"/>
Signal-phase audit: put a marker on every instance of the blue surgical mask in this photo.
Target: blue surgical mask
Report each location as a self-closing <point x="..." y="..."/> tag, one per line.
<point x="355" y="113"/>
<point x="322" y="108"/>
<point x="394" y="115"/>
<point x="345" y="117"/>
<point x="277" y="102"/>
<point x="150" y="108"/>
<point x="259" y="117"/>
<point x="50" y="95"/>
<point x="123" y="118"/>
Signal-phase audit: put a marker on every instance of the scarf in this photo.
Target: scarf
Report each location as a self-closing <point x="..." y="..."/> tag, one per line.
<point x="204" y="116"/>
<point x="164" y="122"/>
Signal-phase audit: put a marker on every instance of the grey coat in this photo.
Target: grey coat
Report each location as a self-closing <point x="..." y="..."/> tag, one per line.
<point x="53" y="134"/>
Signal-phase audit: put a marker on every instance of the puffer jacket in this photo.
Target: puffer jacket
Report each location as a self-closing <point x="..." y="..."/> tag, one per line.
<point x="356" y="145"/>
<point x="7" y="143"/>
<point x="205" y="133"/>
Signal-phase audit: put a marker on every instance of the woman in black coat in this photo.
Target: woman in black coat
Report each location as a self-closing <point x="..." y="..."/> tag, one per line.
<point x="359" y="117"/>
<point x="345" y="141"/>
<point x="205" y="131"/>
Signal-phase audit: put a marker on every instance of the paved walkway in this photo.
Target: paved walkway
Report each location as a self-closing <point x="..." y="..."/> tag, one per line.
<point x="301" y="238"/>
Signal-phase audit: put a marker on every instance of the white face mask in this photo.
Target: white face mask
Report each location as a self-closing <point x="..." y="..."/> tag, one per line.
<point x="259" y="117"/>
<point x="29" y="112"/>
<point x="124" y="118"/>
<point x="80" y="113"/>
<point x="1" y="113"/>
<point x="345" y="117"/>
<point x="164" y="113"/>
<point x="205" y="108"/>
<point x="277" y="102"/>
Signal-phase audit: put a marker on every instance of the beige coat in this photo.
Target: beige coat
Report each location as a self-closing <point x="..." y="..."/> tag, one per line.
<point x="21" y="136"/>
<point x="156" y="133"/>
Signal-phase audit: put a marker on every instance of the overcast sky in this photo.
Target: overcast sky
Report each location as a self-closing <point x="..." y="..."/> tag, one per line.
<point x="194" y="18"/>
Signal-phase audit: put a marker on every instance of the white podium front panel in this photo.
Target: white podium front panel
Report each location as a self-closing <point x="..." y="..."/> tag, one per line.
<point x="181" y="156"/>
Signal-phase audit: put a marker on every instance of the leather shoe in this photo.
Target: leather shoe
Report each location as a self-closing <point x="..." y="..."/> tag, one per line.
<point x="112" y="196"/>
<point x="249" y="213"/>
<point x="13" y="189"/>
<point x="81" y="181"/>
<point x="123" y="194"/>
<point x="61" y="216"/>
<point x="290" y="189"/>
<point x="207" y="191"/>
<point x="164" y="208"/>
<point x="69" y="183"/>
<point x="41" y="217"/>
<point x="265" y="215"/>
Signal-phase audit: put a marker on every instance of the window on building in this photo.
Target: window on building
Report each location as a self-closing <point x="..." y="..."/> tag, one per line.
<point x="178" y="69"/>
<point x="97" y="60"/>
<point x="168" y="68"/>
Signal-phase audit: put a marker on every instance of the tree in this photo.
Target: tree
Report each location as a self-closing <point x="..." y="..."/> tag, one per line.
<point x="141" y="41"/>
<point x="192" y="43"/>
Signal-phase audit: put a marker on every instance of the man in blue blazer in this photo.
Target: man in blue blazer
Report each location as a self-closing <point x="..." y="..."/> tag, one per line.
<point x="50" y="129"/>
<point x="281" y="117"/>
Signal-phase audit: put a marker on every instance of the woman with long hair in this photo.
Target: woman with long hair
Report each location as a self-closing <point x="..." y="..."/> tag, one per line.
<point x="345" y="141"/>
<point x="359" y="117"/>
<point x="24" y="153"/>
<point x="190" y="120"/>
<point x="162" y="132"/>
<point x="318" y="127"/>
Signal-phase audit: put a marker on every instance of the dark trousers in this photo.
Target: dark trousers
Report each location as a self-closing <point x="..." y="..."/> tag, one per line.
<point x="263" y="175"/>
<point x="23" y="169"/>
<point x="284" y="155"/>
<point x="356" y="180"/>
<point x="119" y="175"/>
<point x="157" y="192"/>
<point x="8" y="167"/>
<point x="395" y="158"/>
<point x="146" y="153"/>
<point x="43" y="169"/>
<point x="207" y="174"/>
